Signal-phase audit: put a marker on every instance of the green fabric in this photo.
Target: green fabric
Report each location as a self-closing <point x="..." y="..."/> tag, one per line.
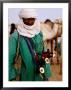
<point x="47" y="70"/>
<point x="28" y="67"/>
<point x="12" y="53"/>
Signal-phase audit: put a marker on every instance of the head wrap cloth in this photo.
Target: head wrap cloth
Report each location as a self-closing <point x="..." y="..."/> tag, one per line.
<point x="28" y="13"/>
<point x="25" y="30"/>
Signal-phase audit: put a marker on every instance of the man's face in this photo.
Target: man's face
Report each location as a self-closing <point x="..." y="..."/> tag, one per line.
<point x="28" y="21"/>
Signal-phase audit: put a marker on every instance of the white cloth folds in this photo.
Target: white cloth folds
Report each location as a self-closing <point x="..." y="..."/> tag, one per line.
<point x="29" y="31"/>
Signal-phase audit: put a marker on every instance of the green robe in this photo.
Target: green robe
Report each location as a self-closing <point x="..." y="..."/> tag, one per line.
<point x="27" y="68"/>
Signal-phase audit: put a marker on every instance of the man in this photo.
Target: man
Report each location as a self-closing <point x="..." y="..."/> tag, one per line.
<point x="30" y="48"/>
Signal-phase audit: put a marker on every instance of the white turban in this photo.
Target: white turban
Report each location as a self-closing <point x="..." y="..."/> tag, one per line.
<point x="28" y="13"/>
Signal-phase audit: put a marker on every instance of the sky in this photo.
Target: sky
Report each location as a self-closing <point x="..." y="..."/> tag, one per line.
<point x="43" y="14"/>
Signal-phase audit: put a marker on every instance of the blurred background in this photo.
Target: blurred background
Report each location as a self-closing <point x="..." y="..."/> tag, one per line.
<point x="43" y="14"/>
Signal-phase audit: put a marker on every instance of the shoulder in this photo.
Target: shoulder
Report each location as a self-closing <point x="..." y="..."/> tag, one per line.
<point x="39" y="37"/>
<point x="41" y="34"/>
<point x="14" y="35"/>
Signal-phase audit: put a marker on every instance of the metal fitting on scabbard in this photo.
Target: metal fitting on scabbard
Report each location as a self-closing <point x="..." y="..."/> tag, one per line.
<point x="47" y="60"/>
<point x="41" y="70"/>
